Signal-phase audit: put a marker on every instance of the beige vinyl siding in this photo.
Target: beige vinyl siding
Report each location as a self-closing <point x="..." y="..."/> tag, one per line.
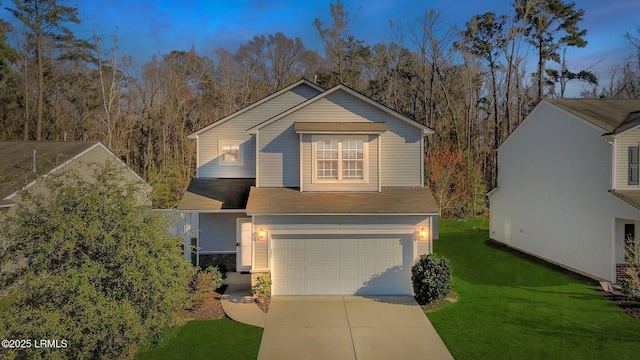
<point x="621" y="156"/>
<point x="401" y="155"/>
<point x="218" y="232"/>
<point x="235" y="129"/>
<point x="260" y="252"/>
<point x="400" y="145"/>
<point x="423" y="246"/>
<point x="552" y="201"/>
<point x="308" y="183"/>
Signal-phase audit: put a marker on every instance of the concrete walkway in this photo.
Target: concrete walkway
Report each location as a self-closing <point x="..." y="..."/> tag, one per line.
<point x="237" y="301"/>
<point x="349" y="327"/>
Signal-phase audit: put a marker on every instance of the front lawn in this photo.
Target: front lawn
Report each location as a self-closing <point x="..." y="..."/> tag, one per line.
<point x="210" y="339"/>
<point x="513" y="308"/>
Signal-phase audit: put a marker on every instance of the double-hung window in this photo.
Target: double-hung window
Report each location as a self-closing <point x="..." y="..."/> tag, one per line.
<point x="633" y="165"/>
<point x="340" y="159"/>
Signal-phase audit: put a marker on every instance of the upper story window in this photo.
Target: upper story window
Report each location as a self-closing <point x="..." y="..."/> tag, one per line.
<point x="340" y="159"/>
<point x="633" y="165"/>
<point x="230" y="153"/>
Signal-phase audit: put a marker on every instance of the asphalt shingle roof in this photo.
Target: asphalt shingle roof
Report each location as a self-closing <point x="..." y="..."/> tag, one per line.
<point x="216" y="194"/>
<point x="388" y="201"/>
<point x="16" y="161"/>
<point x="613" y="115"/>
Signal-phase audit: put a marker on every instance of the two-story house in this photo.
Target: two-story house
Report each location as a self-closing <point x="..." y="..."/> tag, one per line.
<point x="568" y="185"/>
<point x="322" y="189"/>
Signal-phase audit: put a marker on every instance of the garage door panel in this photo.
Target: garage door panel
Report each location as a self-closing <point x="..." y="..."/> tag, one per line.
<point x="367" y="256"/>
<point x="349" y="256"/>
<point x="332" y="256"/>
<point x="332" y="272"/>
<point x="296" y="257"/>
<point x="334" y="264"/>
<point x="297" y="272"/>
<point x="387" y="256"/>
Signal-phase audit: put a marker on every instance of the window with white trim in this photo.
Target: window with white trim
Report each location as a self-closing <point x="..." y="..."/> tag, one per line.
<point x="230" y="153"/>
<point x="340" y="159"/>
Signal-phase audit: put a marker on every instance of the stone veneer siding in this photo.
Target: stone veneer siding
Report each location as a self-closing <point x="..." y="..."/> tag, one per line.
<point x="225" y="262"/>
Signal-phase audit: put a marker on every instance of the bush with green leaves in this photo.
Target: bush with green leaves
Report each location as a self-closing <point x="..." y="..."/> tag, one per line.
<point x="90" y="264"/>
<point x="208" y="279"/>
<point x="262" y="288"/>
<point x="431" y="278"/>
<point x="204" y="284"/>
<point x="630" y="285"/>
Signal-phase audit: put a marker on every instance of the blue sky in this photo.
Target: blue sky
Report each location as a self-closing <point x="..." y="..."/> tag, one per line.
<point x="145" y="28"/>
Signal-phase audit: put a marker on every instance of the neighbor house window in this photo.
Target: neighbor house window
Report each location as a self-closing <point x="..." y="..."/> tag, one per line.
<point x="230" y="152"/>
<point x="633" y="165"/>
<point x="340" y="159"/>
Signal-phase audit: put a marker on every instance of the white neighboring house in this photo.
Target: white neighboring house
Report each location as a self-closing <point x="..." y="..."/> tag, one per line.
<point x="568" y="185"/>
<point x="321" y="189"/>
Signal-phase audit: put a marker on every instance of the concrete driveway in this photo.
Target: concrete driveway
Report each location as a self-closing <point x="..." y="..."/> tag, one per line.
<point x="349" y="327"/>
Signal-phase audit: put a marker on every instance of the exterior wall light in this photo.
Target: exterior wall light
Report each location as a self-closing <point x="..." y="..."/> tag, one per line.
<point x="423" y="234"/>
<point x="262" y="234"/>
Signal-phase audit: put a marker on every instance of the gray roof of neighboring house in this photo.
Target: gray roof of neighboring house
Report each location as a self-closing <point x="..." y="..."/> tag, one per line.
<point x="613" y="115"/>
<point x="388" y="201"/>
<point x="16" y="161"/>
<point x="216" y="194"/>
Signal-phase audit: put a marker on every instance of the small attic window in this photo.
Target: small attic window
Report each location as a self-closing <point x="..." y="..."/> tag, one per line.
<point x="230" y="153"/>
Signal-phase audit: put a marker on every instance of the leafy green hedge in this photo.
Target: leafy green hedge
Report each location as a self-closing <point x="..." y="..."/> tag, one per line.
<point x="431" y="278"/>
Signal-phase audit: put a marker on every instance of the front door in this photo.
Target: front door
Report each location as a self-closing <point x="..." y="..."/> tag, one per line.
<point x="243" y="245"/>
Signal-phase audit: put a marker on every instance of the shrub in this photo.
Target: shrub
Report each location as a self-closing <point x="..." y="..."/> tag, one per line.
<point x="101" y="272"/>
<point x="208" y="280"/>
<point x="631" y="286"/>
<point x="431" y="278"/>
<point x="205" y="283"/>
<point x="262" y="288"/>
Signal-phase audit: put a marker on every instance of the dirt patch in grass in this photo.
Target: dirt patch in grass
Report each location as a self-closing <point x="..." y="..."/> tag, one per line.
<point x="207" y="307"/>
<point x="452" y="298"/>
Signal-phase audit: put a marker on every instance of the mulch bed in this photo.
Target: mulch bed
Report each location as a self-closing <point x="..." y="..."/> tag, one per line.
<point x="631" y="307"/>
<point x="209" y="307"/>
<point x="264" y="306"/>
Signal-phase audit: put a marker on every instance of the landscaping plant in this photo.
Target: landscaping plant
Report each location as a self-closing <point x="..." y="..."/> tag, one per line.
<point x="431" y="278"/>
<point x="205" y="283"/>
<point x="92" y="266"/>
<point x="630" y="285"/>
<point x="262" y="289"/>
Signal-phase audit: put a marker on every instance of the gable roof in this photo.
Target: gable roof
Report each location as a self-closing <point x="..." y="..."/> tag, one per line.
<point x="341" y="87"/>
<point x="613" y="115"/>
<point x="17" y="162"/>
<point x="255" y="104"/>
<point x="216" y="194"/>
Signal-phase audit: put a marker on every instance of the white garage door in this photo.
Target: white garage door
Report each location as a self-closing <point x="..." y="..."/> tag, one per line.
<point x="340" y="264"/>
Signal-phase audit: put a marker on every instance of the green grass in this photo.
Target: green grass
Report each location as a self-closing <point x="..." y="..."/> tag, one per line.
<point x="210" y="339"/>
<point x="512" y="308"/>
